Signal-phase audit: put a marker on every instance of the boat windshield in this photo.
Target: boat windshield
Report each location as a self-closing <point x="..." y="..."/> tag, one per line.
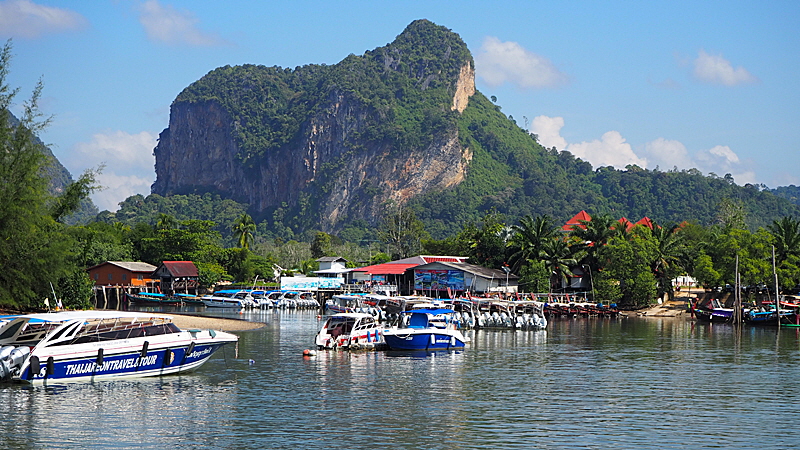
<point x="123" y="333"/>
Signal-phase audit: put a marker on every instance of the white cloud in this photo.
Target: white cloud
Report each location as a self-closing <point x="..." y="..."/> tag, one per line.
<point x="25" y="19"/>
<point x="129" y="164"/>
<point x="549" y="131"/>
<point x="668" y="154"/>
<point x="613" y="150"/>
<point x="610" y="150"/>
<point x="171" y="26"/>
<point x="117" y="188"/>
<point x="120" y="150"/>
<point x="500" y="62"/>
<point x="718" y="70"/>
<point x="725" y="153"/>
<point x="719" y="160"/>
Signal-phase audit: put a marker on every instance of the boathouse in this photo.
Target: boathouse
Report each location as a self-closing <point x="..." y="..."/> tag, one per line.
<point x="177" y="276"/>
<point x="440" y="279"/>
<point x="332" y="267"/>
<point x="392" y="272"/>
<point x="122" y="273"/>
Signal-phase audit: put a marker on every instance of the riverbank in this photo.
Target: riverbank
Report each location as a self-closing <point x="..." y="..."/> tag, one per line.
<point x="188" y="322"/>
<point x="672" y="308"/>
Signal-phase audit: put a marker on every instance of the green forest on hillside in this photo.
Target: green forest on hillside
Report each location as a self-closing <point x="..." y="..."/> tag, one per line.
<point x="405" y="90"/>
<point x="507" y="211"/>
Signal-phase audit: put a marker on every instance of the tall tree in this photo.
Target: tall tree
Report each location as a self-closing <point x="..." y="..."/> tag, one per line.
<point x="487" y="244"/>
<point x="558" y="259"/>
<point x="592" y="235"/>
<point x="786" y="238"/>
<point x="244" y="231"/>
<point x="669" y="255"/>
<point x="631" y="269"/>
<point x="321" y="245"/>
<point x="529" y="236"/>
<point x="34" y="250"/>
<point x="402" y="232"/>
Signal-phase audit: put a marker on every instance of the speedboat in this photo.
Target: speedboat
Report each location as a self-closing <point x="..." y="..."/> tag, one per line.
<point x="712" y="311"/>
<point x="349" y="330"/>
<point x="152" y="298"/>
<point x="100" y="345"/>
<point x="342" y="303"/>
<point x="228" y="299"/>
<point x="428" y="329"/>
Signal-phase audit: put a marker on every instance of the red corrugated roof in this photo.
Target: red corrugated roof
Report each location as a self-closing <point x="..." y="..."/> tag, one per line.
<point x="576" y="221"/>
<point x="181" y="268"/>
<point x="646" y="222"/>
<point x="430" y="259"/>
<point x="626" y="222"/>
<point x="386" y="269"/>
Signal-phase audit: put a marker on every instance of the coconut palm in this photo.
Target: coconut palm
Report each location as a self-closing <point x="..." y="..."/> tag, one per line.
<point x="244" y="230"/>
<point x="166" y="222"/>
<point x="593" y="235"/>
<point x="786" y="238"/>
<point x="670" y="252"/>
<point x="528" y="238"/>
<point x="558" y="259"/>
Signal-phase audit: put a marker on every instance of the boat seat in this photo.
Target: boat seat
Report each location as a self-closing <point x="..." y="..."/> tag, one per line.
<point x="418" y="321"/>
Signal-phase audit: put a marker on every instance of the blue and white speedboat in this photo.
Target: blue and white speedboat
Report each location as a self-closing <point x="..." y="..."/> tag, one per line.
<point x="349" y="331"/>
<point x="100" y="345"/>
<point x="428" y="329"/>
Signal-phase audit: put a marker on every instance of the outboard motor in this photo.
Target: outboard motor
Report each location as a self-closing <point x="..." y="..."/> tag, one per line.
<point x="5" y="371"/>
<point x="5" y="351"/>
<point x="11" y="360"/>
<point x="18" y="356"/>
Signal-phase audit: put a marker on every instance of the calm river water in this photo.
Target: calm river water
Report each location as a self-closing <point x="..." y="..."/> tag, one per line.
<point x="583" y="383"/>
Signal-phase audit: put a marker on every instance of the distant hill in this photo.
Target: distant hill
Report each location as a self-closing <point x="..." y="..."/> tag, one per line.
<point x="58" y="178"/>
<point x="791" y="193"/>
<point x="325" y="147"/>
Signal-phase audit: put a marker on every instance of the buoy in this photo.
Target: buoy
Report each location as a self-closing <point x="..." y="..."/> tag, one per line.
<point x="308" y="352"/>
<point x="251" y="362"/>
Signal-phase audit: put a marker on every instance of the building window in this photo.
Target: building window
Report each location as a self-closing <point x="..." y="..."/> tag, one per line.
<point x="140" y="277"/>
<point x="124" y="276"/>
<point x="96" y="276"/>
<point x="110" y="276"/>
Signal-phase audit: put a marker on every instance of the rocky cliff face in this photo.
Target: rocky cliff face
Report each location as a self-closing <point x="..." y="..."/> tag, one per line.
<point x="335" y="167"/>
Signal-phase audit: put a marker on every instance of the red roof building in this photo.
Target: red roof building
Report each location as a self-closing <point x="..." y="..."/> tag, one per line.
<point x="626" y="223"/>
<point x="177" y="276"/>
<point x="646" y="222"/>
<point x="583" y="216"/>
<point x="394" y="271"/>
<point x="576" y="221"/>
<point x="122" y="273"/>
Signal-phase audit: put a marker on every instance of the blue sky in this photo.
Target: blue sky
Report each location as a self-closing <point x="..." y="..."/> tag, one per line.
<point x="706" y="85"/>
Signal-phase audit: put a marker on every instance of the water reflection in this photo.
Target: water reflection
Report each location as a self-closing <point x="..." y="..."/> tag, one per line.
<point x="589" y="383"/>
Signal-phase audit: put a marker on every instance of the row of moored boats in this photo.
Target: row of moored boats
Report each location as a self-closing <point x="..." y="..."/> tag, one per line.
<point x="232" y="298"/>
<point x="766" y="314"/>
<point x="359" y="321"/>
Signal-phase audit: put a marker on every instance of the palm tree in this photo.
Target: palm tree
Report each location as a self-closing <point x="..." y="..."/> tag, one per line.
<point x="593" y="236"/>
<point x="166" y="222"/>
<point x="557" y="256"/>
<point x="528" y="238"/>
<point x="786" y="237"/>
<point x="670" y="253"/>
<point x="244" y="231"/>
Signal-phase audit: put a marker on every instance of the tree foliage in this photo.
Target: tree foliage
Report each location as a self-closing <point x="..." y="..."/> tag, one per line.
<point x="34" y="248"/>
<point x="402" y="232"/>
